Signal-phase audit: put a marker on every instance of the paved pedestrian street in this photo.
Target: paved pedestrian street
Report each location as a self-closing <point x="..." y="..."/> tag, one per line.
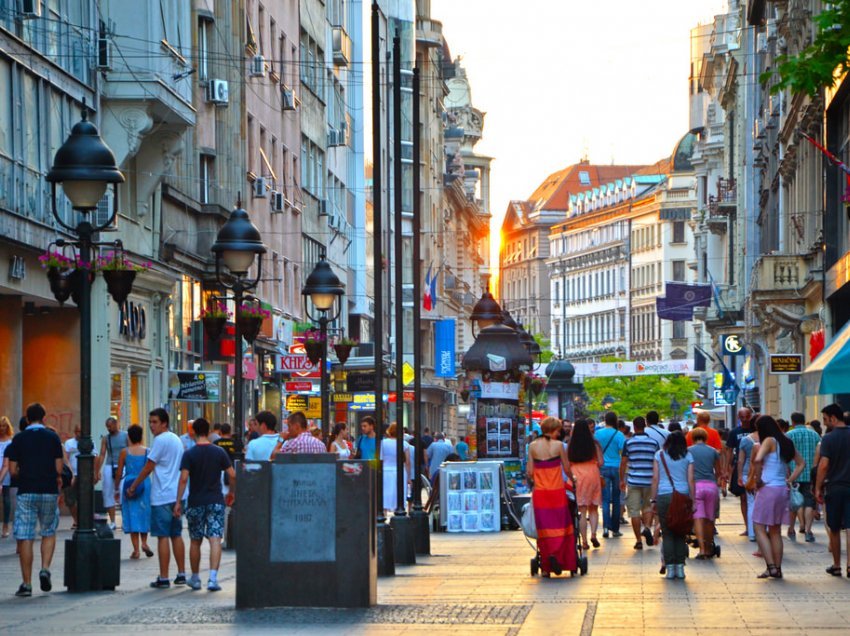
<point x="477" y="584"/>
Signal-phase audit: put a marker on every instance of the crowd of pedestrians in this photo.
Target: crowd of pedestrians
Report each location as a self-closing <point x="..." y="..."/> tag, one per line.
<point x="785" y="474"/>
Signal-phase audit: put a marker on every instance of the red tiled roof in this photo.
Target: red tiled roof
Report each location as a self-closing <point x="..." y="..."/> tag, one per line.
<point x="557" y="196"/>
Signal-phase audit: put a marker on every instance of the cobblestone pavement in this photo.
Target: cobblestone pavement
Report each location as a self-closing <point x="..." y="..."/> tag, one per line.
<point x="477" y="584"/>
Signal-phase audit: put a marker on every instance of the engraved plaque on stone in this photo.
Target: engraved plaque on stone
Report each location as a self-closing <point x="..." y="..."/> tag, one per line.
<point x="303" y="519"/>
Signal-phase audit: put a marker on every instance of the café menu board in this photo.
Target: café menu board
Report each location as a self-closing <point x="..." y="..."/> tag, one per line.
<point x="471" y="494"/>
<point x="497" y="428"/>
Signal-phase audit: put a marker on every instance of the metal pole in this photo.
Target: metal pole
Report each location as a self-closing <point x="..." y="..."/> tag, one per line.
<point x="386" y="560"/>
<point x="421" y="529"/>
<point x="323" y="326"/>
<point x="238" y="405"/>
<point x="85" y="460"/>
<point x="399" y="279"/>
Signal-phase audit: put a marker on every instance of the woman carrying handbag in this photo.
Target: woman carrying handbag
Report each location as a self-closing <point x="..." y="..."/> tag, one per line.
<point x="672" y="486"/>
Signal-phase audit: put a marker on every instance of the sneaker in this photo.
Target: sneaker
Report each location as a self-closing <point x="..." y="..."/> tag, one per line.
<point x="810" y="537"/>
<point x="112" y="526"/>
<point x="792" y="534"/>
<point x="24" y="590"/>
<point x="159" y="583"/>
<point x="680" y="570"/>
<point x="194" y="582"/>
<point x="44" y="580"/>
<point x="605" y="534"/>
<point x="213" y="586"/>
<point x="671" y="572"/>
<point x="616" y="533"/>
<point x="180" y="579"/>
<point x="647" y="535"/>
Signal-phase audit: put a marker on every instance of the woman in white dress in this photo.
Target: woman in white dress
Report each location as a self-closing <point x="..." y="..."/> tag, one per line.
<point x="388" y="455"/>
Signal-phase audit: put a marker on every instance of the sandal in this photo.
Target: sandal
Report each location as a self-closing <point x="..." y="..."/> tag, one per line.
<point x="584" y="546"/>
<point x="768" y="573"/>
<point x="134" y="555"/>
<point x="594" y="541"/>
<point x="777" y="574"/>
<point x="835" y="570"/>
<point x="148" y="552"/>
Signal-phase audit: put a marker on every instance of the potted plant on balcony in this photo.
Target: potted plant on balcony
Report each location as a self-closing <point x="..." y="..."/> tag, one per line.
<point x="250" y="317"/>
<point x="119" y="273"/>
<point x="214" y="318"/>
<point x="343" y="348"/>
<point x="314" y="343"/>
<point x="60" y="270"/>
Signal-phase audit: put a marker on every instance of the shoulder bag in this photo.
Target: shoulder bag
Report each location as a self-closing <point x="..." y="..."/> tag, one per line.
<point x="680" y="514"/>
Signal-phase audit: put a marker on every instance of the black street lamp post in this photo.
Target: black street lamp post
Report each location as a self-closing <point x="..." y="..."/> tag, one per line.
<point x="84" y="166"/>
<point x="324" y="290"/>
<point x="237" y="244"/>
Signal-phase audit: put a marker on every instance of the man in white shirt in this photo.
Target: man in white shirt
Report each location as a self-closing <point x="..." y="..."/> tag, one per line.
<point x="164" y="464"/>
<point x="261" y="449"/>
<point x="72" y="449"/>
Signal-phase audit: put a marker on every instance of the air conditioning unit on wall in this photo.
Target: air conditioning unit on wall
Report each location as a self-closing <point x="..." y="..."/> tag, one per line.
<point x="287" y="96"/>
<point x="260" y="188"/>
<point x="30" y="9"/>
<point x="277" y="201"/>
<point x="218" y="92"/>
<point x="258" y="66"/>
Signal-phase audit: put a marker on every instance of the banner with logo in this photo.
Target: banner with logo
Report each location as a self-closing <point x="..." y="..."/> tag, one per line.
<point x="194" y="386"/>
<point x="661" y="367"/>
<point x="444" y="348"/>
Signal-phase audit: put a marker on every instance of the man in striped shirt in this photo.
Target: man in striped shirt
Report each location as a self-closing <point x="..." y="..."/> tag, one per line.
<point x="636" y="474"/>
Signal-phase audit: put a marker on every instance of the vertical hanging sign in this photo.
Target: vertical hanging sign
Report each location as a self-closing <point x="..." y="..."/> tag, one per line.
<point x="444" y="349"/>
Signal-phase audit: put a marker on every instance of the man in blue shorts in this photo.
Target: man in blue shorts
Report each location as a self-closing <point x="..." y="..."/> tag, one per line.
<point x="35" y="458"/>
<point x="164" y="465"/>
<point x="202" y="467"/>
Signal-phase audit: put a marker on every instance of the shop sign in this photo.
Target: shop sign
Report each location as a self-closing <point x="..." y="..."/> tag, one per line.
<point x="249" y="369"/>
<point x="343" y="397"/>
<point x="310" y="406"/>
<point x="295" y="387"/>
<point x="294" y="363"/>
<point x="732" y="345"/>
<point x="17" y="268"/>
<point x="132" y="321"/>
<point x="727" y="397"/>
<point x="360" y="381"/>
<point x="503" y="390"/>
<point x="408" y="396"/>
<point x="786" y="363"/>
<point x="194" y="386"/>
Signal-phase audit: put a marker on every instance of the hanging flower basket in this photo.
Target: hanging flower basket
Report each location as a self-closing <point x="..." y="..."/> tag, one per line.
<point x="214" y="318"/>
<point x="250" y="317"/>
<point x="214" y="326"/>
<point x="249" y="327"/>
<point x="537" y="385"/>
<point x="464" y="395"/>
<point x="76" y="277"/>
<point x="61" y="283"/>
<point x="119" y="283"/>
<point x="314" y="349"/>
<point x="343" y="351"/>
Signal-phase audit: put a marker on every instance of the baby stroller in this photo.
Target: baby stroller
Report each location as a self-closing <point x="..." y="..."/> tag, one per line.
<point x="581" y="558"/>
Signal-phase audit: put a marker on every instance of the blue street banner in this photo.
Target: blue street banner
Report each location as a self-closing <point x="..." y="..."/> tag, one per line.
<point x="688" y="295"/>
<point x="668" y="310"/>
<point x="444" y="349"/>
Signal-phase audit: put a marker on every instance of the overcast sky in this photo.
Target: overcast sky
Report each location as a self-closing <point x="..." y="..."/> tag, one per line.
<point x="560" y="78"/>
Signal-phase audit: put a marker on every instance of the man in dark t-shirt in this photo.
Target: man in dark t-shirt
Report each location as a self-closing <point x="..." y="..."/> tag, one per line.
<point x="35" y="458"/>
<point x="745" y="416"/>
<point x="202" y="466"/>
<point x="834" y="473"/>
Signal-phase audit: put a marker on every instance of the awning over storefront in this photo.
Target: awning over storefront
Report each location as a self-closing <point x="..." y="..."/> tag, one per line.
<point x="830" y="372"/>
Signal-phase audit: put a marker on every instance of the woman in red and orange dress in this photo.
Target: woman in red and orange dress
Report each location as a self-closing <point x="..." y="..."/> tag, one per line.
<point x="547" y="465"/>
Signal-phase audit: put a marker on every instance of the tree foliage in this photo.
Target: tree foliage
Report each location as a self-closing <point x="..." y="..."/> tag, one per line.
<point x="635" y="395"/>
<point x="821" y="63"/>
<point x="545" y="347"/>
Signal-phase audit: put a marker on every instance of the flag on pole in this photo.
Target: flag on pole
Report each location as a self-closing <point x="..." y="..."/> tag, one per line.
<point x="427" y="298"/>
<point x="433" y="290"/>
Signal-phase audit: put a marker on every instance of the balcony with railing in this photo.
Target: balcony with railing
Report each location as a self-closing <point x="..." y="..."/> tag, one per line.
<point x="722" y="205"/>
<point x="725" y="307"/>
<point x="341" y="46"/>
<point x="777" y="273"/>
